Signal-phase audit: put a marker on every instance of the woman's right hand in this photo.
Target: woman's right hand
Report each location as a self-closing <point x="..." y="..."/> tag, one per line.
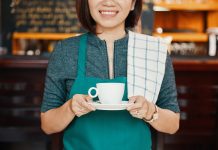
<point x="80" y="106"/>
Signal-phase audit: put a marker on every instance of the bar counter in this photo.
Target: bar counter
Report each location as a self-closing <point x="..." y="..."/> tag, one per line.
<point x="180" y="63"/>
<point x="21" y="89"/>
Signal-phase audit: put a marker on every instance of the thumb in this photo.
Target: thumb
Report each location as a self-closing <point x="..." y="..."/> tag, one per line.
<point x="132" y="99"/>
<point x="88" y="98"/>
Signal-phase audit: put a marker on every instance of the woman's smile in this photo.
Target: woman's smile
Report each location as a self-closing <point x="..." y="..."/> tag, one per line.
<point x="108" y="13"/>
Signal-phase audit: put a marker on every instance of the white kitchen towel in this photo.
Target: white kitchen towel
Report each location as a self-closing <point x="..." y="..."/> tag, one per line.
<point x="146" y="65"/>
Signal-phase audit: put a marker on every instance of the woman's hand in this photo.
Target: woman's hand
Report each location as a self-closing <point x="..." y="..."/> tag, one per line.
<point x="141" y="108"/>
<point x="80" y="106"/>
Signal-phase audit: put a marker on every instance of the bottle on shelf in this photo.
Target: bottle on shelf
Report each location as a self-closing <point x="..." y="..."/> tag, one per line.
<point x="213" y="41"/>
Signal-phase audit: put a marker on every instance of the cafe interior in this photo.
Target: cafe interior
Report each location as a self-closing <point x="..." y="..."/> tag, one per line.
<point x="29" y="31"/>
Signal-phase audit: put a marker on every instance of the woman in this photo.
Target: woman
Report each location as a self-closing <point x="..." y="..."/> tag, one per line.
<point x="79" y="63"/>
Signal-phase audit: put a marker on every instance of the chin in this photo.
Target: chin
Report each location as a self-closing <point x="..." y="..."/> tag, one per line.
<point x="109" y="25"/>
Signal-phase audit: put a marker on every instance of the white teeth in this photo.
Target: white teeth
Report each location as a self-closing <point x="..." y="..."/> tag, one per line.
<point x="108" y="13"/>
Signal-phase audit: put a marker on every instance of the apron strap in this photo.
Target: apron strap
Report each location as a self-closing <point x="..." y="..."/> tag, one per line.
<point x="82" y="56"/>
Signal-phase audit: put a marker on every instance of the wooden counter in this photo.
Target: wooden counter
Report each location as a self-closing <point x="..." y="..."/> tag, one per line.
<point x="197" y="87"/>
<point x="180" y="63"/>
<point x="202" y="64"/>
<point x="23" y="62"/>
<point x="21" y="89"/>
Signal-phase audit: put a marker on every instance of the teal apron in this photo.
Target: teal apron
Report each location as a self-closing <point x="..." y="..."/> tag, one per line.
<point x="103" y="130"/>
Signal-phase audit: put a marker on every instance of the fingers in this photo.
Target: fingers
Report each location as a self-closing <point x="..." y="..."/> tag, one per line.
<point x="84" y="103"/>
<point x="134" y="106"/>
<point x="150" y="111"/>
<point x="139" y="108"/>
<point x="88" y="98"/>
<point x="136" y="102"/>
<point x="132" y="99"/>
<point x="80" y="105"/>
<point x="138" y="113"/>
<point x="80" y="111"/>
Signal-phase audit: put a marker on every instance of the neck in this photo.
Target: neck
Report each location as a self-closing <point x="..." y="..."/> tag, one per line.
<point x="111" y="34"/>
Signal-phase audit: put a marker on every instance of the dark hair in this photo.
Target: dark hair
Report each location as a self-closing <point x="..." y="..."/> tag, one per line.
<point x="85" y="18"/>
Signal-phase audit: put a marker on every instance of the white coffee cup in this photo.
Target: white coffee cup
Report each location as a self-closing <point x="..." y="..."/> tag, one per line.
<point x="108" y="93"/>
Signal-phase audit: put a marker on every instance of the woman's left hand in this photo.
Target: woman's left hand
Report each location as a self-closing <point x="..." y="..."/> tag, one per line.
<point x="140" y="107"/>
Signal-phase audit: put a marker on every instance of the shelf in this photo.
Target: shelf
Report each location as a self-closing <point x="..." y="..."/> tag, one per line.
<point x="192" y="37"/>
<point x="201" y="65"/>
<point x="189" y="6"/>
<point x="25" y="62"/>
<point x="16" y="47"/>
<point x="43" y="36"/>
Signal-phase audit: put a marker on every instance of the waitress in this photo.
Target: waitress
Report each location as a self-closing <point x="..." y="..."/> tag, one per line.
<point x="100" y="55"/>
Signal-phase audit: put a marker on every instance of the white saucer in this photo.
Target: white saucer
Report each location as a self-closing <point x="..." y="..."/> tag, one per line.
<point x="100" y="106"/>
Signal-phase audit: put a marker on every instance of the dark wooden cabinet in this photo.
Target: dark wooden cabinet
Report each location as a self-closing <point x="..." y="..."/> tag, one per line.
<point x="197" y="86"/>
<point x="21" y="89"/>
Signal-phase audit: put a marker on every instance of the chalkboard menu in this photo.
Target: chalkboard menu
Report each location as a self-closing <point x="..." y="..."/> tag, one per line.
<point x="46" y="16"/>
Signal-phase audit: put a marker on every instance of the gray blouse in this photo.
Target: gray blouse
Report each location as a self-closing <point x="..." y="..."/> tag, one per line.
<point x="62" y="71"/>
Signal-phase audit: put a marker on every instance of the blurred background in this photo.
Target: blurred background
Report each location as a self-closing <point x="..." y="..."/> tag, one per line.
<point x="29" y="31"/>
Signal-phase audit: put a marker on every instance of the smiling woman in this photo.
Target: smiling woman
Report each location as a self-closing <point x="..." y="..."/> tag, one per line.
<point x="110" y="14"/>
<point x="97" y="12"/>
<point x="109" y="53"/>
